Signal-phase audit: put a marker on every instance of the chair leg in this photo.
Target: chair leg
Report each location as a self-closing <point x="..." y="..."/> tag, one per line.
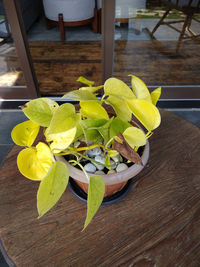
<point x="61" y="26"/>
<point x="185" y="26"/>
<point x="160" y="21"/>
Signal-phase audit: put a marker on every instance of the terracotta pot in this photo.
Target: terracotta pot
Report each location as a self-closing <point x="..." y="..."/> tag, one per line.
<point x="114" y="182"/>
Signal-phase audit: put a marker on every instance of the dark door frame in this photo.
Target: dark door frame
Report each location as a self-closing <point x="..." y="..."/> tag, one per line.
<point x="31" y="90"/>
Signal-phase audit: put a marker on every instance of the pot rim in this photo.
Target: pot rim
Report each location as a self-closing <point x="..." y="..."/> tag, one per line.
<point x="113" y="178"/>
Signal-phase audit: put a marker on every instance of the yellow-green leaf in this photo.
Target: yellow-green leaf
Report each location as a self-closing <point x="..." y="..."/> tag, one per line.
<point x="139" y="88"/>
<point x="52" y="187"/>
<point x="60" y="141"/>
<point x="120" y="107"/>
<point x="64" y="119"/>
<point x="145" y="112"/>
<point x="83" y="80"/>
<point x="134" y="137"/>
<point x="155" y="95"/>
<point x="92" y="89"/>
<point x="40" y="110"/>
<point x="90" y="128"/>
<point x="92" y="109"/>
<point x="118" y="126"/>
<point x="116" y="87"/>
<point x="80" y="95"/>
<point x="96" y="192"/>
<point x="24" y="134"/>
<point x="35" y="162"/>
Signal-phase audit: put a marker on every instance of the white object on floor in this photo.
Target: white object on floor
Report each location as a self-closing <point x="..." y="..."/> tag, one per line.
<point x="72" y="10"/>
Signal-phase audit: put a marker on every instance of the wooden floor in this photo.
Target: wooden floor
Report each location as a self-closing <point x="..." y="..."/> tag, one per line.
<point x="58" y="64"/>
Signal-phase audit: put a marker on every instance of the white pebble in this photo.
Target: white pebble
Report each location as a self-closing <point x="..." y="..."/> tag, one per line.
<point x="117" y="158"/>
<point x="89" y="167"/>
<point x="121" y="167"/>
<point x="94" y="152"/>
<point x="112" y="163"/>
<point x="99" y="172"/>
<point x="99" y="159"/>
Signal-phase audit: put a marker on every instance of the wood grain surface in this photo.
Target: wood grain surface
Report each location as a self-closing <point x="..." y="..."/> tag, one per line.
<point x="157" y="224"/>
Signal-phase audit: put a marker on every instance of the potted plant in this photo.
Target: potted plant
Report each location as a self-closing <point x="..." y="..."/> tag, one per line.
<point x="80" y="142"/>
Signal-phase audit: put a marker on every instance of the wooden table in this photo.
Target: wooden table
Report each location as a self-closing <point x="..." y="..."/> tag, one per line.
<point x="157" y="224"/>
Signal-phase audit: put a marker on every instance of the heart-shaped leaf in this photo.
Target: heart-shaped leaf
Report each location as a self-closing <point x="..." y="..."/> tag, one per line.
<point x="35" y="162"/>
<point x="118" y="126"/>
<point x="60" y="141"/>
<point x="52" y="187"/>
<point x="145" y="112"/>
<point x="134" y="137"/>
<point x="24" y="134"/>
<point x="80" y="95"/>
<point x="96" y="192"/>
<point x="155" y="95"/>
<point x="116" y="87"/>
<point x="140" y="89"/>
<point x="40" y="110"/>
<point x="64" y="119"/>
<point x="120" y="107"/>
<point x="93" y="109"/>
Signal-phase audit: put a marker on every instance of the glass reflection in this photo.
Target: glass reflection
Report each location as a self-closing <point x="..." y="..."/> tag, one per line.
<point x="158" y="41"/>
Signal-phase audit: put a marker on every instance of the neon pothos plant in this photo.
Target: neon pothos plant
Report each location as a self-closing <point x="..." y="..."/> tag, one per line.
<point x="63" y="125"/>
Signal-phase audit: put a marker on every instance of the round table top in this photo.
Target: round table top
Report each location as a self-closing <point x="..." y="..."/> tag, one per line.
<point x="156" y="224"/>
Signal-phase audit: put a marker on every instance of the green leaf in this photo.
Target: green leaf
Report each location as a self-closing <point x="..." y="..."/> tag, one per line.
<point x="120" y="107"/>
<point x="116" y="87"/>
<point x="155" y="95"/>
<point x="92" y="89"/>
<point x="80" y="95"/>
<point x="40" y="110"/>
<point x="60" y="141"/>
<point x="96" y="192"/>
<point x="105" y="130"/>
<point x="134" y="137"/>
<point x="64" y="119"/>
<point x="90" y="128"/>
<point x="83" y="80"/>
<point x="24" y="134"/>
<point x="52" y="187"/>
<point x="92" y="109"/>
<point x="118" y="126"/>
<point x="35" y="162"/>
<point x="145" y="112"/>
<point x="140" y="89"/>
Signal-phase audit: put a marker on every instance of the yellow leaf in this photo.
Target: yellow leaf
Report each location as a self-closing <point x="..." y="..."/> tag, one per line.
<point x="155" y="95"/>
<point x="140" y="89"/>
<point x="64" y="118"/>
<point x="120" y="107"/>
<point x="93" y="110"/>
<point x="60" y="141"/>
<point x="117" y="88"/>
<point x="24" y="134"/>
<point x="83" y="80"/>
<point x="92" y="89"/>
<point x="35" y="162"/>
<point x="134" y="137"/>
<point x="40" y="110"/>
<point x="145" y="112"/>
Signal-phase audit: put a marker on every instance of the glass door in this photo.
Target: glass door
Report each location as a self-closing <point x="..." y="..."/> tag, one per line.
<point x="158" y="41"/>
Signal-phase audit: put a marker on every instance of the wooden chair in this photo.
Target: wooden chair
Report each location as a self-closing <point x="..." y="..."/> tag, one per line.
<point x="189" y="8"/>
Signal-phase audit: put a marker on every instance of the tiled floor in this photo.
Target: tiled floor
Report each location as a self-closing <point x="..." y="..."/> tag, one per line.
<point x="8" y="119"/>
